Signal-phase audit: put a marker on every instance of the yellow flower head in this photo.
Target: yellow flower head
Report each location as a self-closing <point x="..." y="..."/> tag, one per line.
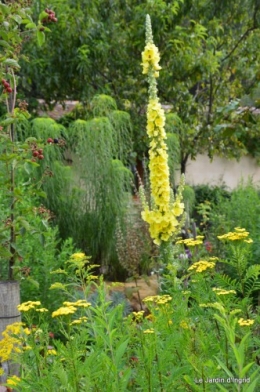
<point x="78" y="256"/>
<point x="162" y="216"/>
<point x="13" y="381"/>
<point x="26" y="306"/>
<point x="64" y="311"/>
<point x="242" y="322"/>
<point x="149" y="331"/>
<point x="237" y="235"/>
<point x="150" y="59"/>
<point x="57" y="285"/>
<point x="201" y="266"/>
<point x="220" y="291"/>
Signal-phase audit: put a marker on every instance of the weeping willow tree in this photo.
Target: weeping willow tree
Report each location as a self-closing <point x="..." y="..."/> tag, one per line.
<point x="92" y="194"/>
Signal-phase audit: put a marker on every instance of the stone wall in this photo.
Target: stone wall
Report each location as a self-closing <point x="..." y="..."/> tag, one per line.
<point x="222" y="171"/>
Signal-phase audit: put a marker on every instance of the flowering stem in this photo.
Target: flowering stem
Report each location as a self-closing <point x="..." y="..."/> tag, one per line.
<point x="164" y="210"/>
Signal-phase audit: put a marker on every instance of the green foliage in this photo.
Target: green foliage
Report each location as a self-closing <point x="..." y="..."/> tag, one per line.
<point x="210" y="49"/>
<point x="95" y="188"/>
<point x="189" y="199"/>
<point x="18" y="190"/>
<point x="98" y="347"/>
<point x="239" y="210"/>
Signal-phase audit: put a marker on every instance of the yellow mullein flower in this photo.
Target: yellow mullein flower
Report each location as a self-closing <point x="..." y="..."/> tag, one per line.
<point x="162" y="216"/>
<point x="151" y="58"/>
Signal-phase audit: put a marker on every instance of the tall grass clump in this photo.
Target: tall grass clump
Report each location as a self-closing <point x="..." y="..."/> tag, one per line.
<point x="89" y="195"/>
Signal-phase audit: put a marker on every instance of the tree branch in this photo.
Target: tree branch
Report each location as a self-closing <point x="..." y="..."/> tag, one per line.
<point x="254" y="27"/>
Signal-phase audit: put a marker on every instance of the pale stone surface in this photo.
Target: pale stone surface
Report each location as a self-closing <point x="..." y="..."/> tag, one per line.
<point x="222" y="171"/>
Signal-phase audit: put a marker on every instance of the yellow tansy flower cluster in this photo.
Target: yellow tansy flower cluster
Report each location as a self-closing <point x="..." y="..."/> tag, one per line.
<point x="242" y="322"/>
<point x="162" y="215"/>
<point x="184" y="325"/>
<point x="70" y="307"/>
<point x="191" y="241"/>
<point x="64" y="311"/>
<point x="13" y="381"/>
<point x="149" y="331"/>
<point x="58" y="286"/>
<point x="78" y="256"/>
<point x="51" y="351"/>
<point x="79" y="321"/>
<point x="201" y="266"/>
<point x="29" y="305"/>
<point x="10" y="342"/>
<point x="237" y="235"/>
<point x="220" y="291"/>
<point x="80" y="303"/>
<point x="138" y="316"/>
<point x="158" y="299"/>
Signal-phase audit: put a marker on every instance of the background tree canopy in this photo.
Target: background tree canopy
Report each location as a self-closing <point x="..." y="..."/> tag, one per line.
<point x="209" y="58"/>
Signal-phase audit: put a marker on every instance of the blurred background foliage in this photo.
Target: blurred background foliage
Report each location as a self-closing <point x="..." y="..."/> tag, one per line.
<point x="209" y="58"/>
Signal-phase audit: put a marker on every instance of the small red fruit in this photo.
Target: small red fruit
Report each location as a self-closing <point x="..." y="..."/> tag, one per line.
<point x="40" y="151"/>
<point x="35" y="154"/>
<point x="9" y="89"/>
<point x="49" y="140"/>
<point x="40" y="156"/>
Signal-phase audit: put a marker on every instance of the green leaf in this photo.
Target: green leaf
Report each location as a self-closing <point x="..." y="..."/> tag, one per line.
<point x="245" y="369"/>
<point x="33" y="282"/>
<point x="221" y="388"/>
<point x="4" y="9"/>
<point x="228" y="372"/>
<point x="40" y="37"/>
<point x="7" y="121"/>
<point x="5" y="253"/>
<point x="17" y="18"/>
<point x="27" y="168"/>
<point x="252" y="386"/>
<point x="11" y="63"/>
<point x="5" y="44"/>
<point x="120" y="352"/>
<point x="25" y="224"/>
<point x="26" y="21"/>
<point x="30" y="25"/>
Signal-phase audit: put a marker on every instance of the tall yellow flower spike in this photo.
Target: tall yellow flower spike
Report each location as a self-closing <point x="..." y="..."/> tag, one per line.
<point x="162" y="216"/>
